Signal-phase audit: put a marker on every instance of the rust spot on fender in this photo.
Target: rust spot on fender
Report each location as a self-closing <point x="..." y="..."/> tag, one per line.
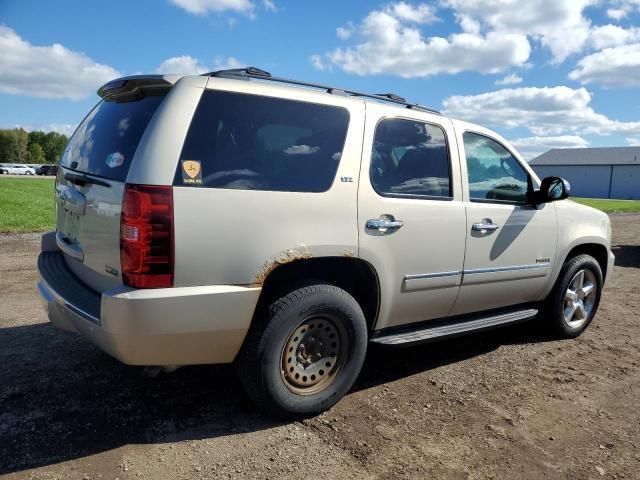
<point x="298" y="253"/>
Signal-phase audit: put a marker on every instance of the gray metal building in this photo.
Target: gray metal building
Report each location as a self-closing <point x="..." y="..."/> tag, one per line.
<point x="609" y="172"/>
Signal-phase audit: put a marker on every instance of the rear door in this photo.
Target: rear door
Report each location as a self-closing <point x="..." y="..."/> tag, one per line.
<point x="510" y="244"/>
<point x="411" y="218"/>
<point x="90" y="185"/>
<point x="267" y="175"/>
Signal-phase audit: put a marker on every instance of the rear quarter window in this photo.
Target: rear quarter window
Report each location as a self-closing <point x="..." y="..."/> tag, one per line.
<point x="107" y="139"/>
<point x="250" y="142"/>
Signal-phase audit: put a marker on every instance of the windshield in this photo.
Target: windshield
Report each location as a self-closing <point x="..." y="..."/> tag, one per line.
<point x="106" y="140"/>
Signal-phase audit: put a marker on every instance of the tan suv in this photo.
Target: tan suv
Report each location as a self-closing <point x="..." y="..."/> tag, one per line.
<point x="284" y="226"/>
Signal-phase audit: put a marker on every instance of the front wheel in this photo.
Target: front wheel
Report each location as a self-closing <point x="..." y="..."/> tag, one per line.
<point x="574" y="301"/>
<point x="306" y="354"/>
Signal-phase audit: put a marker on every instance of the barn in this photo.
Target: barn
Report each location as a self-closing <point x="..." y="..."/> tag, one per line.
<point x="609" y="172"/>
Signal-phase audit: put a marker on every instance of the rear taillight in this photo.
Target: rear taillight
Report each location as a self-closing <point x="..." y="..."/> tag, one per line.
<point x="146" y="236"/>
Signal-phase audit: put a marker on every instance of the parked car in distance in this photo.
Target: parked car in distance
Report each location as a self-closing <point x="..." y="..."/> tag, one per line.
<point x="14" y="169"/>
<point x="285" y="226"/>
<point x="47" y="170"/>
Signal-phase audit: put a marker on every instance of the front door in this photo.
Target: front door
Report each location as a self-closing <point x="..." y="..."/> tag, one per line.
<point x="411" y="217"/>
<point x="510" y="244"/>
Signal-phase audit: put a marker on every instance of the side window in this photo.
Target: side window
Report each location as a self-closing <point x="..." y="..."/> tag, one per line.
<point x="251" y="142"/>
<point x="410" y="158"/>
<point x="494" y="174"/>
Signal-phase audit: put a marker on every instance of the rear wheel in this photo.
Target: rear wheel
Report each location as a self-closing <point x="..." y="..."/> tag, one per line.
<point x="574" y="301"/>
<point x="306" y="354"/>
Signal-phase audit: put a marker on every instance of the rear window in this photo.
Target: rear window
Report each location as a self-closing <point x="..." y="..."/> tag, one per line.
<point x="251" y="142"/>
<point x="106" y="140"/>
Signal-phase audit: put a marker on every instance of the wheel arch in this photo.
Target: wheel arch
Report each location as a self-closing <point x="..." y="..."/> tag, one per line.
<point x="596" y="250"/>
<point x="354" y="275"/>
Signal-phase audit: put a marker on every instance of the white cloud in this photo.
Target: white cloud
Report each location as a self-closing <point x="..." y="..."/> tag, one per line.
<point x="611" y="67"/>
<point x="64" y="128"/>
<point x="184" y="64"/>
<point x="51" y="71"/>
<point x="317" y="62"/>
<point x="510" y="79"/>
<point x="613" y="36"/>
<point x="633" y="141"/>
<point x="617" y="13"/>
<point x="269" y="5"/>
<point x="422" y="13"/>
<point x="394" y="44"/>
<point x="202" y="7"/>
<point x="558" y="25"/>
<point x="622" y="8"/>
<point x="221" y="63"/>
<point x="543" y="111"/>
<point x="531" y="147"/>
<point x="188" y="65"/>
<point x="345" y="32"/>
<point x="494" y="36"/>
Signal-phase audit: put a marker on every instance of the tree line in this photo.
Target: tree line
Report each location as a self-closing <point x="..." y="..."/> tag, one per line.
<point x="20" y="146"/>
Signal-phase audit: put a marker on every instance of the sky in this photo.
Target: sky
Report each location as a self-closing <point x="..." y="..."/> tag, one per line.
<point x="542" y="73"/>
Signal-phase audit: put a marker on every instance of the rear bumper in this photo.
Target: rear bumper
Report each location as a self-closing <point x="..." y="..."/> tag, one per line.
<point x="169" y="326"/>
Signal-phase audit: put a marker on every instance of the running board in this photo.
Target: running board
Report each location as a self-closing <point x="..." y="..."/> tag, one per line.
<point x="425" y="332"/>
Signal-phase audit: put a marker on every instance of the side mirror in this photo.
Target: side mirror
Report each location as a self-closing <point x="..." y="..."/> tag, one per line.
<point x="552" y="189"/>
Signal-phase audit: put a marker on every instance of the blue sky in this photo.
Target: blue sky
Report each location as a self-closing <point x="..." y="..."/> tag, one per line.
<point x="543" y="73"/>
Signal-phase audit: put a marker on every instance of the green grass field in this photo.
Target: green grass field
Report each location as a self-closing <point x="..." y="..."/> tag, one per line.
<point x="610" y="206"/>
<point x="26" y="204"/>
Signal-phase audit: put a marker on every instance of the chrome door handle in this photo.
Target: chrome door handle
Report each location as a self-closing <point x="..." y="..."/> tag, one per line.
<point x="486" y="225"/>
<point x="383" y="224"/>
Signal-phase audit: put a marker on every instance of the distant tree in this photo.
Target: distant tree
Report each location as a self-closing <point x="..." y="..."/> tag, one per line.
<point x="36" y="136"/>
<point x="36" y="153"/>
<point x="18" y="146"/>
<point x="6" y="140"/>
<point x="53" y="145"/>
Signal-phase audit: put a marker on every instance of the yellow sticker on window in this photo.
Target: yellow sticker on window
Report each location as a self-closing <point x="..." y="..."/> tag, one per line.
<point x="191" y="172"/>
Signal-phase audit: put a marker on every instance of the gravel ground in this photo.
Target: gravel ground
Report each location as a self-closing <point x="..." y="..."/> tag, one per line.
<point x="505" y="404"/>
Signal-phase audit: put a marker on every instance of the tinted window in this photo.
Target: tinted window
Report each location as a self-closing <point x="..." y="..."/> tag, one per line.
<point x="410" y="158"/>
<point x="252" y="142"/>
<point x="106" y="140"/>
<point x="494" y="174"/>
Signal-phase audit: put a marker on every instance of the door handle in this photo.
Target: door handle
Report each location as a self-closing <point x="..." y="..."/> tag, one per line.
<point x="486" y="225"/>
<point x="383" y="224"/>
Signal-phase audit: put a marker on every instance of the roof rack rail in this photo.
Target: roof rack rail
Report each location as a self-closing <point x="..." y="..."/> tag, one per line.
<point x="391" y="96"/>
<point x="259" y="74"/>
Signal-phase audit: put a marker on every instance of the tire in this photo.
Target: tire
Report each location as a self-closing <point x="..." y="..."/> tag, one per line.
<point x="288" y="365"/>
<point x="567" y="296"/>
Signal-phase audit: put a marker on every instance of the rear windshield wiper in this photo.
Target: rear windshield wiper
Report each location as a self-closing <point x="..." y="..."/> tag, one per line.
<point x="82" y="179"/>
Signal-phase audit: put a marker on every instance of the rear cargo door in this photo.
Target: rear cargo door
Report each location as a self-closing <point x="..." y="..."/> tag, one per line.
<point x="90" y="185"/>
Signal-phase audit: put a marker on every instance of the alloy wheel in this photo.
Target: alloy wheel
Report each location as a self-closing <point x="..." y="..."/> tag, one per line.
<point x="579" y="298"/>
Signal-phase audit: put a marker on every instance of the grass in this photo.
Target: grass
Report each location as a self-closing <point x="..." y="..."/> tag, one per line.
<point x="610" y="206"/>
<point x="26" y="205"/>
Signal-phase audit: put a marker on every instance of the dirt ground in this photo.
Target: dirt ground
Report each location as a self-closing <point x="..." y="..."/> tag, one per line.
<point x="505" y="404"/>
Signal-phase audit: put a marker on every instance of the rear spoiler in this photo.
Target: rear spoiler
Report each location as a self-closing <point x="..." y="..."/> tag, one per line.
<point x="132" y="85"/>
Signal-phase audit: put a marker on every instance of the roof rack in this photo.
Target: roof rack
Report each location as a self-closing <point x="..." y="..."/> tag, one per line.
<point x="258" y="74"/>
